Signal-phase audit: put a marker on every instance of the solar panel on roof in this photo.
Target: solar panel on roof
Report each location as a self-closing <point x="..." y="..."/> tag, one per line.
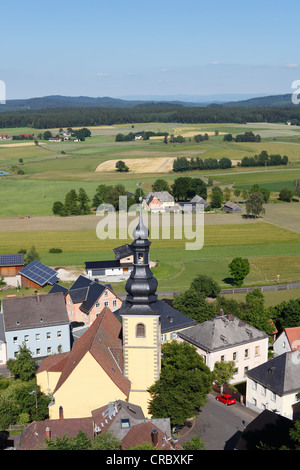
<point x="11" y="260"/>
<point x="39" y="273"/>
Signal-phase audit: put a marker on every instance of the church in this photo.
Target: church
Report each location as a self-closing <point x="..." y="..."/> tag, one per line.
<point x="113" y="360"/>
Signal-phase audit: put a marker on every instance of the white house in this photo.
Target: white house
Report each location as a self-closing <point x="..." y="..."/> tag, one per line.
<point x="275" y="384"/>
<point x="288" y="340"/>
<point x="227" y="338"/>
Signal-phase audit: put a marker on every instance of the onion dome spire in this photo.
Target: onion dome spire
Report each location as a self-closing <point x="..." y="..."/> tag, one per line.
<point x="141" y="285"/>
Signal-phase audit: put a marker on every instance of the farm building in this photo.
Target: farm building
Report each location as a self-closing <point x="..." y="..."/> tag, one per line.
<point x="194" y="205"/>
<point x="122" y="264"/>
<point x="158" y="201"/>
<point x="10" y="265"/>
<point x="230" y="207"/>
<point x="37" y="275"/>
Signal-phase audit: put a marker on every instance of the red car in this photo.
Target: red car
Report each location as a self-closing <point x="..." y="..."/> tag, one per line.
<point x="227" y="399"/>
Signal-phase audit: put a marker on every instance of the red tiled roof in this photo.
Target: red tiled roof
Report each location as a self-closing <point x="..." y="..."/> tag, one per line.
<point x="34" y="435"/>
<point x="141" y="433"/>
<point x="293" y="336"/>
<point x="102" y="340"/>
<point x="54" y="363"/>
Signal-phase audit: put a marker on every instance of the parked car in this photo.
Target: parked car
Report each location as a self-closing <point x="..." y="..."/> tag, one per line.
<point x="227" y="399"/>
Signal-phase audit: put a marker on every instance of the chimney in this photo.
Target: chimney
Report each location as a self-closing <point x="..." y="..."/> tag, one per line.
<point x="221" y="312"/>
<point x="38" y="298"/>
<point x="154" y="437"/>
<point x="48" y="433"/>
<point x="61" y="413"/>
<point x="229" y="316"/>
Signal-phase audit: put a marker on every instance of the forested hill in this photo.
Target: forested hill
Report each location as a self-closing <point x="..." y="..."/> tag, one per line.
<point x="273" y="100"/>
<point x="84" y="117"/>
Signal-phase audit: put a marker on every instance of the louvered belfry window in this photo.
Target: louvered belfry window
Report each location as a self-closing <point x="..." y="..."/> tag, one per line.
<point x="140" y="330"/>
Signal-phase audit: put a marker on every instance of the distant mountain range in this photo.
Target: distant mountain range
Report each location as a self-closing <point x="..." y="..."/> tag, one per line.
<point x="58" y="101"/>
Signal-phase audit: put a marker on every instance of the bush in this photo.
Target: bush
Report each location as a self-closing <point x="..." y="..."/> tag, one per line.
<point x="55" y="250"/>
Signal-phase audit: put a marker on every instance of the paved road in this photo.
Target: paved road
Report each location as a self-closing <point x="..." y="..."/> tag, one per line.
<point x="219" y="426"/>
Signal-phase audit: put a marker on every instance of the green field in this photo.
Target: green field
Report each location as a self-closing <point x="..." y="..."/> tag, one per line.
<point x="271" y="244"/>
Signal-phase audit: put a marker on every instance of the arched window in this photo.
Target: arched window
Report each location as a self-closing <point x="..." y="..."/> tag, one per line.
<point x="140" y="330"/>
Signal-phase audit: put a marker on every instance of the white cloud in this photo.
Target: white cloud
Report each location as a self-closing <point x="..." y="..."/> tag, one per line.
<point x="291" y="66"/>
<point x="102" y="74"/>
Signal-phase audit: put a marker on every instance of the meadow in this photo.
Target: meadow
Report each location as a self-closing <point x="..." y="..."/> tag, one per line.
<point x="271" y="244"/>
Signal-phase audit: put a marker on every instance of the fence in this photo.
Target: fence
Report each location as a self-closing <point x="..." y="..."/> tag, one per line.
<point x="226" y="389"/>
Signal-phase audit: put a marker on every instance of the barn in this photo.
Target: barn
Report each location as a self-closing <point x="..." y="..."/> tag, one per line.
<point x="10" y="265"/>
<point x="37" y="275"/>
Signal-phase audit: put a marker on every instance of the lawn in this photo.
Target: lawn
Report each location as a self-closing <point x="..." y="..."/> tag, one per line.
<point x="271" y="250"/>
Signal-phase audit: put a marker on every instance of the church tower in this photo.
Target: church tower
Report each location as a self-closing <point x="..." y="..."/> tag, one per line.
<point x="141" y="322"/>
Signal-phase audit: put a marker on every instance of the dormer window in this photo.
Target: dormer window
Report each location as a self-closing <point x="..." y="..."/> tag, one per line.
<point x="140" y="330"/>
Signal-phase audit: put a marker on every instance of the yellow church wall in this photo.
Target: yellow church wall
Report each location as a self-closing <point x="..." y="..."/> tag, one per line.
<point x="141" y="356"/>
<point x="88" y="387"/>
<point x="47" y="381"/>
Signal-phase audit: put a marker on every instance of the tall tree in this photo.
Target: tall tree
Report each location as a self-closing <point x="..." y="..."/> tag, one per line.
<point x="183" y="386"/>
<point x="83" y="201"/>
<point x="255" y="204"/>
<point x="239" y="268"/>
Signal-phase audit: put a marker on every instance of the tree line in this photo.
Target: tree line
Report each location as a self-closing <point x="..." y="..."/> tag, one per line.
<point x="86" y="116"/>
<point x="181" y="164"/>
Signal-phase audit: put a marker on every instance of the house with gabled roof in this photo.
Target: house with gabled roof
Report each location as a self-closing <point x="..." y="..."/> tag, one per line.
<point x="37" y="275"/>
<point x="126" y="421"/>
<point x="227" y="338"/>
<point x="90" y="375"/>
<point x="86" y="299"/>
<point x="288" y="340"/>
<point x="38" y="321"/>
<point x="275" y="385"/>
<point x="158" y="201"/>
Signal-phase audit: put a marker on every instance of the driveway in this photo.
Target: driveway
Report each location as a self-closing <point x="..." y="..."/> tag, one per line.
<point x="219" y="426"/>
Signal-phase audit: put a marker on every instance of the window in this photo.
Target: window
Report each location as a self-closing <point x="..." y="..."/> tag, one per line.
<point x="222" y="358"/>
<point x="114" y="302"/>
<point x="125" y="423"/>
<point x="263" y="390"/>
<point x="37" y="337"/>
<point x="26" y="338"/>
<point x="48" y="335"/>
<point x="273" y="396"/>
<point x="49" y="350"/>
<point x="97" y="304"/>
<point x="140" y="330"/>
<point x="246" y="353"/>
<point x="15" y="340"/>
<point x="38" y="352"/>
<point x="234" y="356"/>
<point x="106" y="303"/>
<point x="254" y="385"/>
<point x="256" y="350"/>
<point x="163" y="338"/>
<point x="106" y="292"/>
<point x="59" y="334"/>
<point x="254" y="402"/>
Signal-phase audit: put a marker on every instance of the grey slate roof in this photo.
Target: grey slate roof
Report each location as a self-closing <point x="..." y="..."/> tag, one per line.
<point x="281" y="374"/>
<point x="231" y="207"/>
<point x="87" y="292"/>
<point x="221" y="332"/>
<point x="123" y="251"/>
<point x="171" y="319"/>
<point x="58" y="288"/>
<point x="162" y="196"/>
<point x="34" y="311"/>
<point x="269" y="428"/>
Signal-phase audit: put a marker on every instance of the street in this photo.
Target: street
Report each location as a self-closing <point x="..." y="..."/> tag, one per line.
<point x="219" y="426"/>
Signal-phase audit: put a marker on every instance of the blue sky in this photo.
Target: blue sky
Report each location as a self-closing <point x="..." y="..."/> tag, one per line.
<point x="131" y="48"/>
